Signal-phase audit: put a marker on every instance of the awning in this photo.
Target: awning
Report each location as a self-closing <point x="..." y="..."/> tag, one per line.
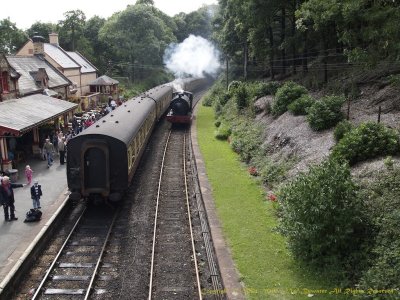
<point x="18" y="116"/>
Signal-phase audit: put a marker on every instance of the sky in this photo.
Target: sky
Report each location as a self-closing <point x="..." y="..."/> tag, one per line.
<point x="26" y="12"/>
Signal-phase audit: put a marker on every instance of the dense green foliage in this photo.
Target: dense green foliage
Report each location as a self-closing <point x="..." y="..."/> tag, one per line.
<point x="223" y="131"/>
<point x="368" y="140"/>
<point x="197" y="23"/>
<point x="285" y="95"/>
<point x="383" y="199"/>
<point x="321" y="216"/>
<point x="246" y="140"/>
<point x="11" y="38"/>
<point x="325" y="216"/>
<point x="341" y="129"/>
<point x="285" y="36"/>
<point x="301" y="105"/>
<point x="325" y="113"/>
<point x="138" y="35"/>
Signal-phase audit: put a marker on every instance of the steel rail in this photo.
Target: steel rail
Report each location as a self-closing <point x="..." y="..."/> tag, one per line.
<point x="207" y="238"/>
<point x="190" y="220"/>
<point x="107" y="238"/>
<point x="46" y="276"/>
<point x="156" y="216"/>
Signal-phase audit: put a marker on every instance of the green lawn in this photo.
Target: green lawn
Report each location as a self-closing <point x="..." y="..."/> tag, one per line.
<point x="265" y="265"/>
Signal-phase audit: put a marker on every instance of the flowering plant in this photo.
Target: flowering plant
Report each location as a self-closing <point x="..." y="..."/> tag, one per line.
<point x="253" y="171"/>
<point x="271" y="197"/>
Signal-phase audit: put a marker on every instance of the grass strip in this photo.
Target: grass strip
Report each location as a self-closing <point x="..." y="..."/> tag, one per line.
<point x="248" y="220"/>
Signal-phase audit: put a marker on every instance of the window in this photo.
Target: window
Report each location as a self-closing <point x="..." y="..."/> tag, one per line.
<point x="4" y="82"/>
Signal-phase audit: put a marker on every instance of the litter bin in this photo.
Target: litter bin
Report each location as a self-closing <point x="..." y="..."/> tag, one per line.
<point x="13" y="174"/>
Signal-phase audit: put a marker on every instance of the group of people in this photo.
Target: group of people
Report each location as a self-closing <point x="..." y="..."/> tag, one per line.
<point x="7" y="199"/>
<point x="59" y="144"/>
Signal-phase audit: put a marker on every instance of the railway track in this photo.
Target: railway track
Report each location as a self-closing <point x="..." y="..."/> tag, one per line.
<point x="174" y="270"/>
<point x="124" y="271"/>
<point x="75" y="268"/>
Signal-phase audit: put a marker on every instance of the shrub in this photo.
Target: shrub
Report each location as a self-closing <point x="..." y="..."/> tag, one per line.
<point x="246" y="140"/>
<point x="272" y="172"/>
<point x="301" y="105"/>
<point x="388" y="162"/>
<point x="207" y="101"/>
<point x="341" y="129"/>
<point x="285" y="95"/>
<point x="240" y="96"/>
<point x="233" y="86"/>
<point x="325" y="113"/>
<point x="383" y="207"/>
<point x="217" y="109"/>
<point x="260" y="89"/>
<point x="368" y="140"/>
<point x="214" y="94"/>
<point x="223" y="132"/>
<point x="321" y="215"/>
<point x="272" y="87"/>
<point x="217" y="123"/>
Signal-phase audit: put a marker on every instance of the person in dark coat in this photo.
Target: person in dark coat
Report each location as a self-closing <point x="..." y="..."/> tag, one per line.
<point x="75" y="125"/>
<point x="7" y="198"/>
<point x="61" y="148"/>
<point x="36" y="193"/>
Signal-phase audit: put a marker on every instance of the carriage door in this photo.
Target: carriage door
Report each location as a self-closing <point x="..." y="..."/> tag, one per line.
<point x="96" y="169"/>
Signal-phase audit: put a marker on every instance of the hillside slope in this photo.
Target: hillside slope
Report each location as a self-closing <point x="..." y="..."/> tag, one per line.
<point x="290" y="136"/>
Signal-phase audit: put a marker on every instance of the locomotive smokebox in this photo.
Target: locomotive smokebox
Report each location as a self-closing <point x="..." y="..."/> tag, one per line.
<point x="180" y="107"/>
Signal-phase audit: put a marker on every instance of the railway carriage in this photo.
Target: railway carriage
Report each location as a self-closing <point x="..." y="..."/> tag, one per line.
<point x="103" y="158"/>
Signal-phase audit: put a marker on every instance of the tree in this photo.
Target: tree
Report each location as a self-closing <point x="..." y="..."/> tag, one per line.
<point x="42" y="29"/>
<point x="100" y="51"/>
<point x="11" y="38"/>
<point x="145" y="2"/>
<point x="138" y="36"/>
<point x="71" y="28"/>
<point x="198" y="23"/>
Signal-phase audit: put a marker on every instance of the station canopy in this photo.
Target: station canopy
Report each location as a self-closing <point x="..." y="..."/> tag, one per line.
<point x="18" y="116"/>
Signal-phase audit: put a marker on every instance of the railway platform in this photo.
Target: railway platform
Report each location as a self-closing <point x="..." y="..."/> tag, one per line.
<point x="17" y="237"/>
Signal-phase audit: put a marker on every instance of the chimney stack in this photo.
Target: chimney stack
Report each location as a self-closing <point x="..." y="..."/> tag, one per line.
<point x="53" y="38"/>
<point x="38" y="45"/>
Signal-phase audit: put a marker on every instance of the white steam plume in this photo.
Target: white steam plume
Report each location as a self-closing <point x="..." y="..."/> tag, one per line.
<point x="195" y="56"/>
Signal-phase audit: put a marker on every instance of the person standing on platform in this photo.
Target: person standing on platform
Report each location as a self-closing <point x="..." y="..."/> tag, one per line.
<point x="28" y="174"/>
<point x="61" y="149"/>
<point x="55" y="141"/>
<point x="7" y="198"/>
<point x="48" y="149"/>
<point x="36" y="193"/>
<point x="75" y="125"/>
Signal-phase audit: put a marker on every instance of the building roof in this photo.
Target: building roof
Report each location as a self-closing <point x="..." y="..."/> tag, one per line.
<point x="86" y="66"/>
<point x="60" y="56"/>
<point x="28" y="66"/>
<point x="104" y="80"/>
<point x="18" y="116"/>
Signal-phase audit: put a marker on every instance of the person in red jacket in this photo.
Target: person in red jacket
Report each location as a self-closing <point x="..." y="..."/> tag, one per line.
<point x="7" y="198"/>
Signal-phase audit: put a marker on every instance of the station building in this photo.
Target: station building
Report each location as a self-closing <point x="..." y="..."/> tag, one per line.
<point x="31" y="105"/>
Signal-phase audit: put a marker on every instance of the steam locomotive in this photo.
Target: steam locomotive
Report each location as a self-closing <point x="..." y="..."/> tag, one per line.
<point x="181" y="108"/>
<point x="104" y="157"/>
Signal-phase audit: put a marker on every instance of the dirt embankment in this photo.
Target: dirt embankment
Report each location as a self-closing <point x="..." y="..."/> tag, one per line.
<point x="290" y="136"/>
